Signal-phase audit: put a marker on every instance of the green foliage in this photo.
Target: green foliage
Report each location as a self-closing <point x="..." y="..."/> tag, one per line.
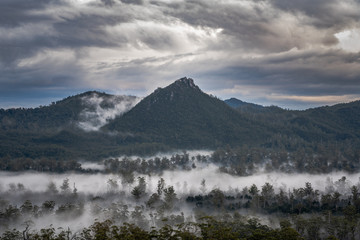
<point x="139" y="190"/>
<point x="12" y="235"/>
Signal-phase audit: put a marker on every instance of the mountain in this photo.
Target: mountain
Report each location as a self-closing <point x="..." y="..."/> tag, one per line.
<point x="181" y="115"/>
<point x="62" y="129"/>
<point x="66" y="113"/>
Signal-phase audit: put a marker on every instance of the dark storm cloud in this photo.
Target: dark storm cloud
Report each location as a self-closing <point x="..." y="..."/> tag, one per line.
<point x="300" y="73"/>
<point x="13" y="15"/>
<point x="33" y="26"/>
<point x="86" y="30"/>
<point x="65" y="27"/>
<point x="47" y="75"/>
<point x="234" y="20"/>
<point x="15" y="12"/>
<point x="11" y="51"/>
<point x="108" y="2"/>
<point x="139" y="2"/>
<point x="325" y="13"/>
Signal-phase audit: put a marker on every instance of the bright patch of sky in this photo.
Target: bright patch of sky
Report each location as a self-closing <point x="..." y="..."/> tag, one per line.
<point x="349" y="40"/>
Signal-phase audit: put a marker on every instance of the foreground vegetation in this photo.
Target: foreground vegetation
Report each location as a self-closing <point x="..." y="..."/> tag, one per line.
<point x="207" y="228"/>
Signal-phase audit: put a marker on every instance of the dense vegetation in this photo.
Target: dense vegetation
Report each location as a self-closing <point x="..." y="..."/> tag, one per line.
<point x="241" y="161"/>
<point x="315" y="159"/>
<point x="209" y="228"/>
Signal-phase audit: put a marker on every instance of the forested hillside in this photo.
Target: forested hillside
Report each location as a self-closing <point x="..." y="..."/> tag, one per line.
<point x="182" y="116"/>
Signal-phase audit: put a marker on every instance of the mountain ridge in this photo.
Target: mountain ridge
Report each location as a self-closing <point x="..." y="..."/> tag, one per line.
<point x="228" y="101"/>
<point x="179" y="116"/>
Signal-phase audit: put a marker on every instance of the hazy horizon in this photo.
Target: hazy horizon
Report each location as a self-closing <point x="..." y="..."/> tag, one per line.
<point x="50" y="100"/>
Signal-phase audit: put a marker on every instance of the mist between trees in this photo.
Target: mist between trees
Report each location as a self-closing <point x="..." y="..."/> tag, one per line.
<point x="311" y="206"/>
<point x="242" y="161"/>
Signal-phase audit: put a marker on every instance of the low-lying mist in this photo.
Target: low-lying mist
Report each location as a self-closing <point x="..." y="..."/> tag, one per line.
<point x="184" y="182"/>
<point x="191" y="154"/>
<point x="168" y="188"/>
<point x="100" y="110"/>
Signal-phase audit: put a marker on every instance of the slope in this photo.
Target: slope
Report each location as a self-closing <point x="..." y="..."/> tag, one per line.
<point x="181" y="115"/>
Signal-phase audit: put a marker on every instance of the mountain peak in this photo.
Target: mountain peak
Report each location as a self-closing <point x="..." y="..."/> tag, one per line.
<point x="189" y="82"/>
<point x="182" y="115"/>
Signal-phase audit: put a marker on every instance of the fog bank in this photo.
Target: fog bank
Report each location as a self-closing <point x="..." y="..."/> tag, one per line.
<point x="184" y="182"/>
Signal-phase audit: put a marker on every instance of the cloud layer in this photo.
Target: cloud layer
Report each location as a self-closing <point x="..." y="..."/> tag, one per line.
<point x="294" y="54"/>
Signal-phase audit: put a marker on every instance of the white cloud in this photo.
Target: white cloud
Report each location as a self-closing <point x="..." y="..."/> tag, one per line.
<point x="100" y="110"/>
<point x="349" y="40"/>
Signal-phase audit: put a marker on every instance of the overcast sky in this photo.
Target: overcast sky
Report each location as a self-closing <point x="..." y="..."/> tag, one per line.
<point x="295" y="54"/>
